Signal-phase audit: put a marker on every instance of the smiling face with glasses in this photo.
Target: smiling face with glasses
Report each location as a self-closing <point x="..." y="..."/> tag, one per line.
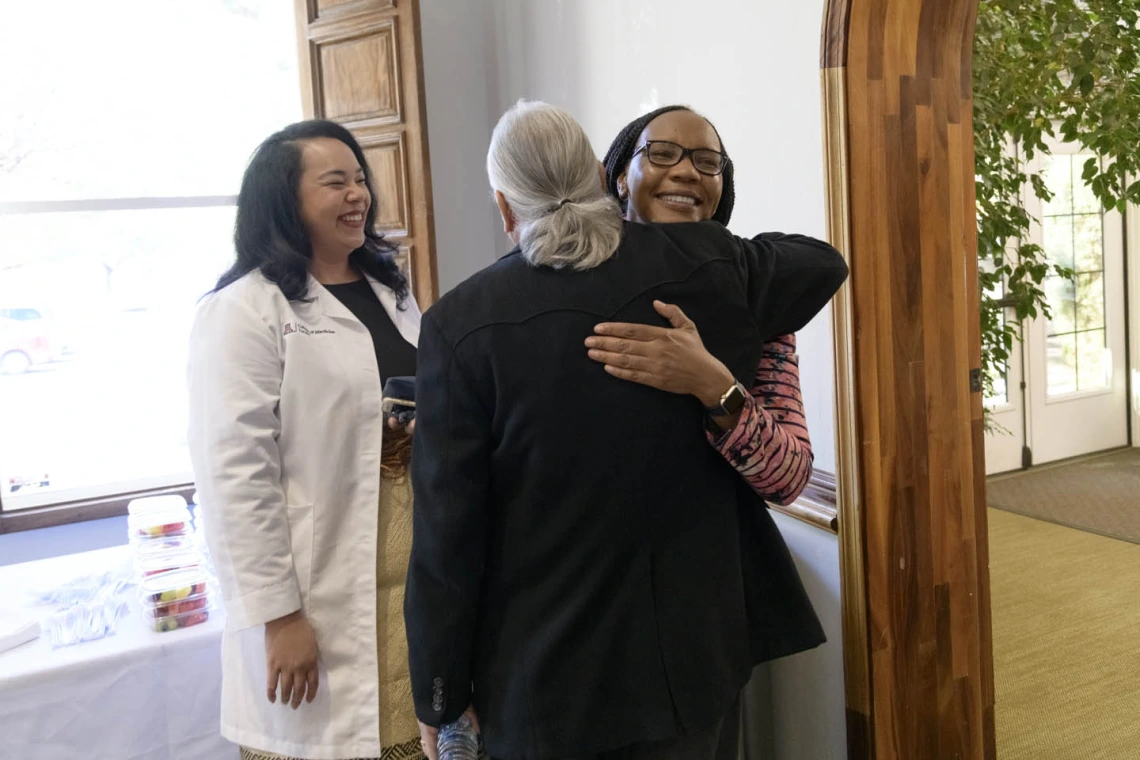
<point x="675" y="172"/>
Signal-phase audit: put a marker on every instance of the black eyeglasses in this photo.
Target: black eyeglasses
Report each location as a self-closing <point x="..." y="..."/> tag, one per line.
<point x="664" y="153"/>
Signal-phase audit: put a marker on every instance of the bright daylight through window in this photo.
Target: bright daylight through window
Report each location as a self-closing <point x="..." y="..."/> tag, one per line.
<point x="119" y="166"/>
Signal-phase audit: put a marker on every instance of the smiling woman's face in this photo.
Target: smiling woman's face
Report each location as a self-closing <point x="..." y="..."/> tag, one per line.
<point x="333" y="197"/>
<point x="672" y="193"/>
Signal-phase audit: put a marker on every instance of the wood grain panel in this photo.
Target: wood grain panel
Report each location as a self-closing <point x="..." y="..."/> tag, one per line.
<point x="916" y="463"/>
<point x="856" y="665"/>
<point x="388" y="160"/>
<point x="420" y="214"/>
<point x="833" y="42"/>
<point x="360" y="77"/>
<point x="362" y="65"/>
<point x="325" y="9"/>
<point x="404" y="259"/>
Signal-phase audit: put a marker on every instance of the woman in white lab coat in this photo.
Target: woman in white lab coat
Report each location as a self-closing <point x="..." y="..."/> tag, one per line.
<point x="287" y="438"/>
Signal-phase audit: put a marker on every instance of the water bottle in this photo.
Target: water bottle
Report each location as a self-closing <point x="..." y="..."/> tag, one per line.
<point x="457" y="741"/>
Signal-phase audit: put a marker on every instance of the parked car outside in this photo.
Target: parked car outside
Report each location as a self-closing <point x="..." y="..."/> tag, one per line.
<point x="26" y="340"/>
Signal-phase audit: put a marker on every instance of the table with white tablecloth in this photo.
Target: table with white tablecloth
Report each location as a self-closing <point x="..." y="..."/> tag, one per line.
<point x="134" y="695"/>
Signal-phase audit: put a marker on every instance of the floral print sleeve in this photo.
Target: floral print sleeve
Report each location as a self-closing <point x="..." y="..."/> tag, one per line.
<point x="770" y="447"/>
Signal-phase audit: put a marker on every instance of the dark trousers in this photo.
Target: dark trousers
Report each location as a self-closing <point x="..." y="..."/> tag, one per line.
<point x="702" y="745"/>
<point x="728" y="743"/>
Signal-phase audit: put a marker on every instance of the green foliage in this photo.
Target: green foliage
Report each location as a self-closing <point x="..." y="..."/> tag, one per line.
<point x="1065" y="69"/>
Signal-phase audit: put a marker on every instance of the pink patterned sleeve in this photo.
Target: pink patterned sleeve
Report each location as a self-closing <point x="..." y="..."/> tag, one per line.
<point x="770" y="447"/>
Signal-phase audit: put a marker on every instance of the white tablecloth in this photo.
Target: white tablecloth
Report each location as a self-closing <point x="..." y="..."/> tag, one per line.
<point x="135" y="695"/>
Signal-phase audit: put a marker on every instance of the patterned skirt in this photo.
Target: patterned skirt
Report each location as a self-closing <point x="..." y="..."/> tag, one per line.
<point x="404" y="751"/>
<point x="399" y="730"/>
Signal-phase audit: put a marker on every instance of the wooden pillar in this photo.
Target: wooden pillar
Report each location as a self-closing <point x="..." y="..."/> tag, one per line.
<point x="897" y="88"/>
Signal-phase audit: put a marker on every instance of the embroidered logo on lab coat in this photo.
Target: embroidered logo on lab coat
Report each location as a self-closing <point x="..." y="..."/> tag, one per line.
<point x="300" y="329"/>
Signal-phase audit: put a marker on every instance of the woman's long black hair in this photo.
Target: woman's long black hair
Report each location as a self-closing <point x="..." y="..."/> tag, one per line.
<point x="269" y="235"/>
<point x="621" y="152"/>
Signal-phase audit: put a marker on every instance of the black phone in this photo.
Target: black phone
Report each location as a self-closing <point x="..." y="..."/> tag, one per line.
<point x="398" y="399"/>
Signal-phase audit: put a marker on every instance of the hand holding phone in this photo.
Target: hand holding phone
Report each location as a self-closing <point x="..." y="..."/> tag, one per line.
<point x="398" y="400"/>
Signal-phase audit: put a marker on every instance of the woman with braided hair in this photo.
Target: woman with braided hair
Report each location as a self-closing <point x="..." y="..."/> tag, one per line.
<point x="574" y="579"/>
<point x="670" y="165"/>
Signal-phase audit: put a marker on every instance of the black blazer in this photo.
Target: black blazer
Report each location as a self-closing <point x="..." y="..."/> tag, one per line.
<point x="576" y="567"/>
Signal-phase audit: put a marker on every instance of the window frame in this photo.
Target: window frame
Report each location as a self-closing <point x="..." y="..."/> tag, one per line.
<point x="81" y="510"/>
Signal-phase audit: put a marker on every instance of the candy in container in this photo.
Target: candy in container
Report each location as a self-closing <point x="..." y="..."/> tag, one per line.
<point x="159" y="524"/>
<point x="173" y="586"/>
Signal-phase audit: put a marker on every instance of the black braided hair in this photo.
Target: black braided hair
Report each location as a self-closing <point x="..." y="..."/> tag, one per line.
<point x="621" y="152"/>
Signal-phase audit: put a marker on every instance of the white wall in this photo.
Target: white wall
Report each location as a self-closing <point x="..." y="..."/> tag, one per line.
<point x="755" y="74"/>
<point x="462" y="108"/>
<point x="607" y="62"/>
<point x="809" y="720"/>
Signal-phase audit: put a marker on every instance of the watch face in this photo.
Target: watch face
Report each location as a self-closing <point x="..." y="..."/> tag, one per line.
<point x="734" y="400"/>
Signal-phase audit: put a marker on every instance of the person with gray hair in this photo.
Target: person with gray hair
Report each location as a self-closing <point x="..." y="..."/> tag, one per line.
<point x="575" y="583"/>
<point x="538" y="154"/>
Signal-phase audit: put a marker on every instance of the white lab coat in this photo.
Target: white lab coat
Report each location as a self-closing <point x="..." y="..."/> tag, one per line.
<point x="285" y="432"/>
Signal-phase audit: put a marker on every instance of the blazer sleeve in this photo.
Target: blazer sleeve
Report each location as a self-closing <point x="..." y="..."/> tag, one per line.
<point x="450" y="471"/>
<point x="234" y="383"/>
<point x="790" y="278"/>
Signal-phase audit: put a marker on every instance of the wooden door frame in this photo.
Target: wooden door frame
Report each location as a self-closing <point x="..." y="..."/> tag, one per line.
<point x="899" y="152"/>
<point x="398" y="126"/>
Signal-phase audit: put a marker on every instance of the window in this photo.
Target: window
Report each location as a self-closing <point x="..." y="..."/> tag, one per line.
<point x="1072" y="229"/>
<point x="1000" y="396"/>
<point x="121" y="152"/>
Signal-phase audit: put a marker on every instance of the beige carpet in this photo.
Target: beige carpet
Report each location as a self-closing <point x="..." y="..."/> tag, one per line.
<point x="1066" y="619"/>
<point x="1099" y="494"/>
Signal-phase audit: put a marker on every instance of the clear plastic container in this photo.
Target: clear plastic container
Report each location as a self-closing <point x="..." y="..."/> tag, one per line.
<point x="203" y="548"/>
<point x="192" y="603"/>
<point x="148" y="547"/>
<point x="151" y="504"/>
<point x="173" y="587"/>
<point x="167" y="561"/>
<point x="188" y="619"/>
<point x="199" y="522"/>
<point x="159" y="524"/>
